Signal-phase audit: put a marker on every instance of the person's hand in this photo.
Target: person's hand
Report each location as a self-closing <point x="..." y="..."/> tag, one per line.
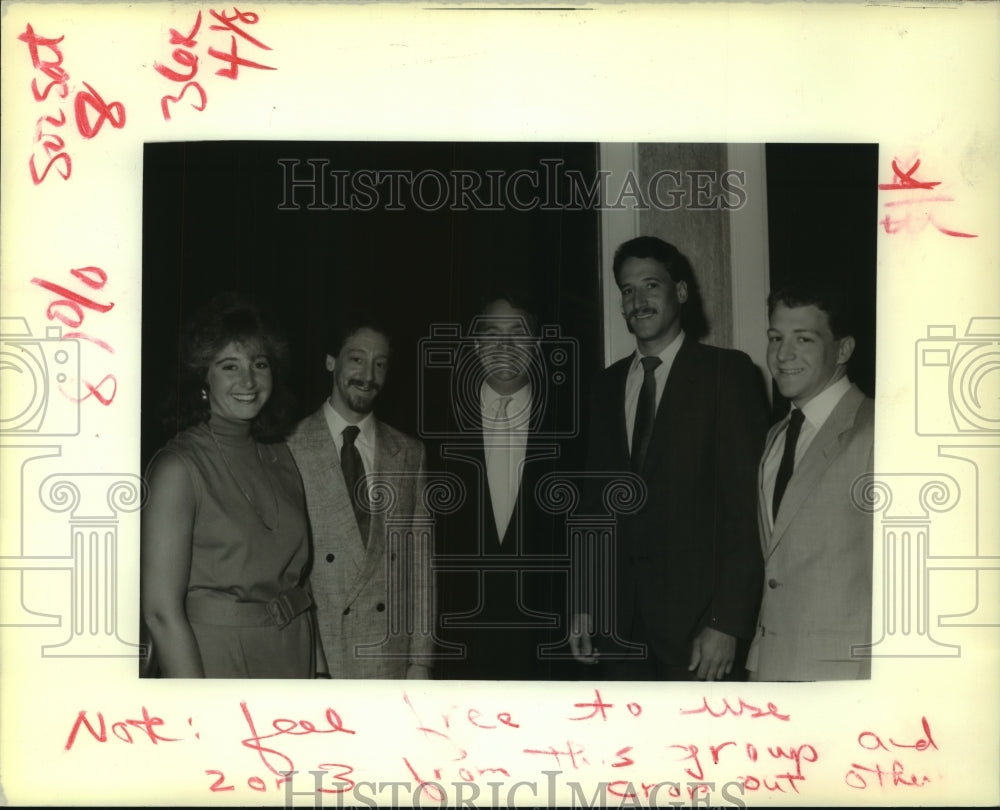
<point x="580" y="630"/>
<point x="418" y="672"/>
<point x="712" y="654"/>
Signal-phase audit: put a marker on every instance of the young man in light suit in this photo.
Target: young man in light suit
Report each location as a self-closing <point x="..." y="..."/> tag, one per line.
<point x="817" y="543"/>
<point x="359" y="578"/>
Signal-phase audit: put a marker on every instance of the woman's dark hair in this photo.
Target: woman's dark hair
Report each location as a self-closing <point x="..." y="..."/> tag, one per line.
<point x="233" y="318"/>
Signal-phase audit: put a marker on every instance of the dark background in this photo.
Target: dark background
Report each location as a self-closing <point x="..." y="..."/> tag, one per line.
<point x="822" y="211"/>
<point x="211" y="222"/>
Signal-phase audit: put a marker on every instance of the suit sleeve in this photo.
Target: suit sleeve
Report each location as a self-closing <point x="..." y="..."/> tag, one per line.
<point x="422" y="593"/>
<point x="741" y="427"/>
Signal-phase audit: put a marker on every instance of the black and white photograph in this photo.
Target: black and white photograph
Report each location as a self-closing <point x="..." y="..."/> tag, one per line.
<point x="392" y="426"/>
<point x="499" y="405"/>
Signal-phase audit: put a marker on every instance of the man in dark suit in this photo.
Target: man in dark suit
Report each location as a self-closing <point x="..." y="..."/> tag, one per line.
<point x="500" y="601"/>
<point x="690" y="420"/>
<point x="365" y="585"/>
<point x="815" y="537"/>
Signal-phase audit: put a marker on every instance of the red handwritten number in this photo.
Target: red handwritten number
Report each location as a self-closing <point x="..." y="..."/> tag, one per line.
<point x="248" y="17"/>
<point x="218" y="786"/>
<point x="164" y="102"/>
<point x="341" y="777"/>
<point x="94" y="391"/>
<point x="113" y="112"/>
<point x="235" y="61"/>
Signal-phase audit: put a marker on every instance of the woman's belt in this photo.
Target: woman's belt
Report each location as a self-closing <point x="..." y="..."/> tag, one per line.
<point x="206" y="609"/>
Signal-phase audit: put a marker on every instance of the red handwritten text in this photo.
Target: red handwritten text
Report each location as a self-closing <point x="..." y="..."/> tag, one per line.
<point x="896" y="774"/>
<point x="912" y="212"/>
<point x="599" y="707"/>
<point x="738" y="710"/>
<point x="184" y="69"/>
<point x="272" y="758"/>
<point x="453" y="723"/>
<point x="46" y="57"/>
<point x="121" y="729"/>
<point x="70" y="308"/>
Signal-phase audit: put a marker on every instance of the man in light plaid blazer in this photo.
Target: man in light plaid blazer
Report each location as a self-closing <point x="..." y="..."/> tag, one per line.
<point x="371" y="567"/>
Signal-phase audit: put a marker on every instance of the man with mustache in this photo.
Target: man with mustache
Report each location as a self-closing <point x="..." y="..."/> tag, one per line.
<point x="690" y="420"/>
<point x="360" y="579"/>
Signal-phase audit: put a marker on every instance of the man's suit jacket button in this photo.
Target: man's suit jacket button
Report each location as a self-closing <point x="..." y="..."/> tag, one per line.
<point x="329" y="557"/>
<point x="772" y="583"/>
<point x="347" y="610"/>
<point x="380" y="607"/>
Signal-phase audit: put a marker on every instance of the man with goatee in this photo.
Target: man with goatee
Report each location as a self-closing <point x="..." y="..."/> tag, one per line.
<point x="370" y="594"/>
<point x="689" y="419"/>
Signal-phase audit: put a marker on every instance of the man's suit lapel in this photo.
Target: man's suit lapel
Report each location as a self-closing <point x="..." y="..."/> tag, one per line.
<point x="535" y="453"/>
<point x="763" y="522"/>
<point x="387" y="461"/>
<point x="822" y="451"/>
<point x="619" y="377"/>
<point x="486" y="533"/>
<point x="340" y="523"/>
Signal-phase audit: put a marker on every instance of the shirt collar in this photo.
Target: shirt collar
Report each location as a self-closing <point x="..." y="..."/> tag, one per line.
<point x="336" y="423"/>
<point x="518" y="400"/>
<point x="818" y="409"/>
<point x="666" y="356"/>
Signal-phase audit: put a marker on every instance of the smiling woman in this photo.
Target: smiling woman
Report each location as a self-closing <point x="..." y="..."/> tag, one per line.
<point x="239" y="381"/>
<point x="224" y="589"/>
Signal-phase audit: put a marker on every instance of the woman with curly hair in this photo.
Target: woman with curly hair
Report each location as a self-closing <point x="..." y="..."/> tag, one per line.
<point x="225" y="537"/>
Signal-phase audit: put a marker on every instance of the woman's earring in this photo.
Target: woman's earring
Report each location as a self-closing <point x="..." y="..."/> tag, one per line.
<point x="204" y="395"/>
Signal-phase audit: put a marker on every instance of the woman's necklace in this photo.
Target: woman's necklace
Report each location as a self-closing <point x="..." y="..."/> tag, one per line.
<point x="274" y="497"/>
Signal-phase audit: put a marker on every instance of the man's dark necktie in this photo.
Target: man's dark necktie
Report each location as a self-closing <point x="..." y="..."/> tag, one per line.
<point x="787" y="458"/>
<point x="645" y="413"/>
<point x="354" y="471"/>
